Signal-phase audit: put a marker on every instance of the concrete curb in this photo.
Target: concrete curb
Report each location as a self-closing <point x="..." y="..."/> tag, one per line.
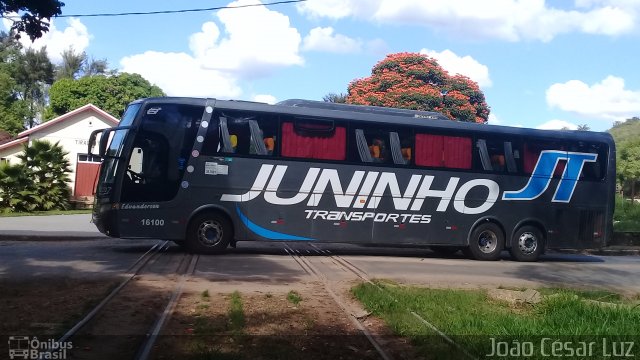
<point x="603" y="252"/>
<point x="51" y="237"/>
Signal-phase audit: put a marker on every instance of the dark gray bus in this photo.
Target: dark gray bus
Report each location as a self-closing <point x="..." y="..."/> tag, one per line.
<point x="206" y="173"/>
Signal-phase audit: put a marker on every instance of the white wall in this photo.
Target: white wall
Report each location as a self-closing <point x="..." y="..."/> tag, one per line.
<point x="71" y="133"/>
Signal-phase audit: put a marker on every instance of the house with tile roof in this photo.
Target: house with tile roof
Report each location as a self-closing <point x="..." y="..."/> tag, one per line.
<point x="71" y="131"/>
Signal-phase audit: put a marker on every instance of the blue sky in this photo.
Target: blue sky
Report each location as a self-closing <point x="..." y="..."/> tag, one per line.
<point x="540" y="63"/>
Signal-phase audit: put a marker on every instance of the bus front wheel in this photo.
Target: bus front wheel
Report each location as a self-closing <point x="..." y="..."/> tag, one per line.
<point x="527" y="244"/>
<point x="486" y="242"/>
<point x="209" y="233"/>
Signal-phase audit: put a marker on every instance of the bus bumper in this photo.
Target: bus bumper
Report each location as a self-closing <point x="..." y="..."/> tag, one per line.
<point x="104" y="217"/>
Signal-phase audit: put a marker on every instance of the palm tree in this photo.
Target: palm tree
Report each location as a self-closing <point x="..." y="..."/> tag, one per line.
<point x="34" y="72"/>
<point x="583" y="127"/>
<point x="48" y="171"/>
<point x="95" y="67"/>
<point x="72" y="64"/>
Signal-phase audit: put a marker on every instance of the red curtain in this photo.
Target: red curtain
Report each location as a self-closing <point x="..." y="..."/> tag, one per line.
<point x="457" y="152"/>
<point x="314" y="147"/>
<point x="443" y="151"/>
<point x="429" y="150"/>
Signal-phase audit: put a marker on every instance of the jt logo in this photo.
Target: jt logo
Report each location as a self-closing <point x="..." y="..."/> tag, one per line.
<point x="543" y="172"/>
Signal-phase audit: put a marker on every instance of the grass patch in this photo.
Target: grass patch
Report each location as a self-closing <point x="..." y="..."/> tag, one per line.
<point x="626" y="215"/>
<point x="45" y="213"/>
<point x="205" y="295"/>
<point x="471" y="318"/>
<point x="236" y="313"/>
<point x="294" y="297"/>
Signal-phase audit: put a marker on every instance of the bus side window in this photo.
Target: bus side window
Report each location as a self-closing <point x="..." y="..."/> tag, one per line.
<point x="378" y="145"/>
<point x="591" y="170"/>
<point x="400" y="143"/>
<point x="242" y="133"/>
<point x="497" y="155"/>
<point x="532" y="149"/>
<point x="313" y="139"/>
<point x="452" y="152"/>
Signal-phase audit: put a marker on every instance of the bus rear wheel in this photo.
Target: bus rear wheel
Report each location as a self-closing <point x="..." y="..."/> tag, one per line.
<point x="209" y="233"/>
<point x="486" y="242"/>
<point x="527" y="244"/>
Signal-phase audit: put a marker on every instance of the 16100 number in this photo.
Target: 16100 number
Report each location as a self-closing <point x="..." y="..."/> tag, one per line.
<point x="152" y="222"/>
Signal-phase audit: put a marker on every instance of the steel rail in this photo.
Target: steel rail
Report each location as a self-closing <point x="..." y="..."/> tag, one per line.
<point x="312" y="269"/>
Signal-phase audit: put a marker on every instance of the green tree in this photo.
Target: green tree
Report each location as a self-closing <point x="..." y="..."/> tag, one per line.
<point x="95" y="67"/>
<point x="32" y="15"/>
<point x="583" y="127"/>
<point x="110" y="93"/>
<point x="335" y="98"/>
<point x="418" y="82"/>
<point x="72" y="63"/>
<point x="13" y="110"/>
<point x="75" y="65"/>
<point x="628" y="164"/>
<point x="34" y="73"/>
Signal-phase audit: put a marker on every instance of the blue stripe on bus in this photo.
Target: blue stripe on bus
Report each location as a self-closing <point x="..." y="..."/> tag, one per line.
<point x="266" y="233"/>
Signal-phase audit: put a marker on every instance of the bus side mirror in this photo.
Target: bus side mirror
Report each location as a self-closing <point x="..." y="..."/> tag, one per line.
<point x="92" y="141"/>
<point x="104" y="139"/>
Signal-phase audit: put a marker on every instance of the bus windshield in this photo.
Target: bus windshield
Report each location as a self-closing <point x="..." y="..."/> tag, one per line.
<point x="114" y="151"/>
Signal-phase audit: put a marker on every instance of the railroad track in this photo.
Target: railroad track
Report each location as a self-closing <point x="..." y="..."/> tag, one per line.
<point x="185" y="268"/>
<point x="312" y="270"/>
<point x="352" y="268"/>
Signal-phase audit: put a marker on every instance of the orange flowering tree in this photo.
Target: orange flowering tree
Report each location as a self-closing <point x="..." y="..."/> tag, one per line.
<point x="418" y="82"/>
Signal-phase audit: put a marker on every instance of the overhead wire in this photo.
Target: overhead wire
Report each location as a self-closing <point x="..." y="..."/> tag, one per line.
<point x="179" y="11"/>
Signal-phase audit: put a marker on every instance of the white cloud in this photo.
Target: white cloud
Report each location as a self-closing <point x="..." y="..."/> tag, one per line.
<point x="557" y="125"/>
<point x="249" y="44"/>
<point x="180" y="74"/>
<point x="265" y="98"/>
<point x="57" y="40"/>
<point x="511" y="20"/>
<point x="463" y="65"/>
<point x="607" y="99"/>
<point x="255" y="41"/>
<point x="493" y="120"/>
<point x="324" y="39"/>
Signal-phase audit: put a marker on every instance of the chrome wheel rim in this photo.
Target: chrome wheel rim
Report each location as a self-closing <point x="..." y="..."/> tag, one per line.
<point x="487" y="241"/>
<point x="527" y="243"/>
<point x="210" y="233"/>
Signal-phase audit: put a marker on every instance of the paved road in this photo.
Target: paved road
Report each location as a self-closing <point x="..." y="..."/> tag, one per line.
<point x="270" y="262"/>
<point x="54" y="227"/>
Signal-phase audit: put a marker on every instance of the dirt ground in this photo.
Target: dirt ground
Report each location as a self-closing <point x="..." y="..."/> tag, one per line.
<point x="46" y="307"/>
<point x="275" y="327"/>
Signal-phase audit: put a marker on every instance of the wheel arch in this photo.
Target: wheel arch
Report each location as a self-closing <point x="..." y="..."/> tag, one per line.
<point x="211" y="208"/>
<point x="483" y="220"/>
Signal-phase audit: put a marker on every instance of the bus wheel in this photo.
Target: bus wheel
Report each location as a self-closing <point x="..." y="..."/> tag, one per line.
<point x="486" y="242"/>
<point x="209" y="233"/>
<point x="527" y="244"/>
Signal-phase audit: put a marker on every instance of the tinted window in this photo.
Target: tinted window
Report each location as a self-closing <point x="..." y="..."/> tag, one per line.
<point x="242" y="133"/>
